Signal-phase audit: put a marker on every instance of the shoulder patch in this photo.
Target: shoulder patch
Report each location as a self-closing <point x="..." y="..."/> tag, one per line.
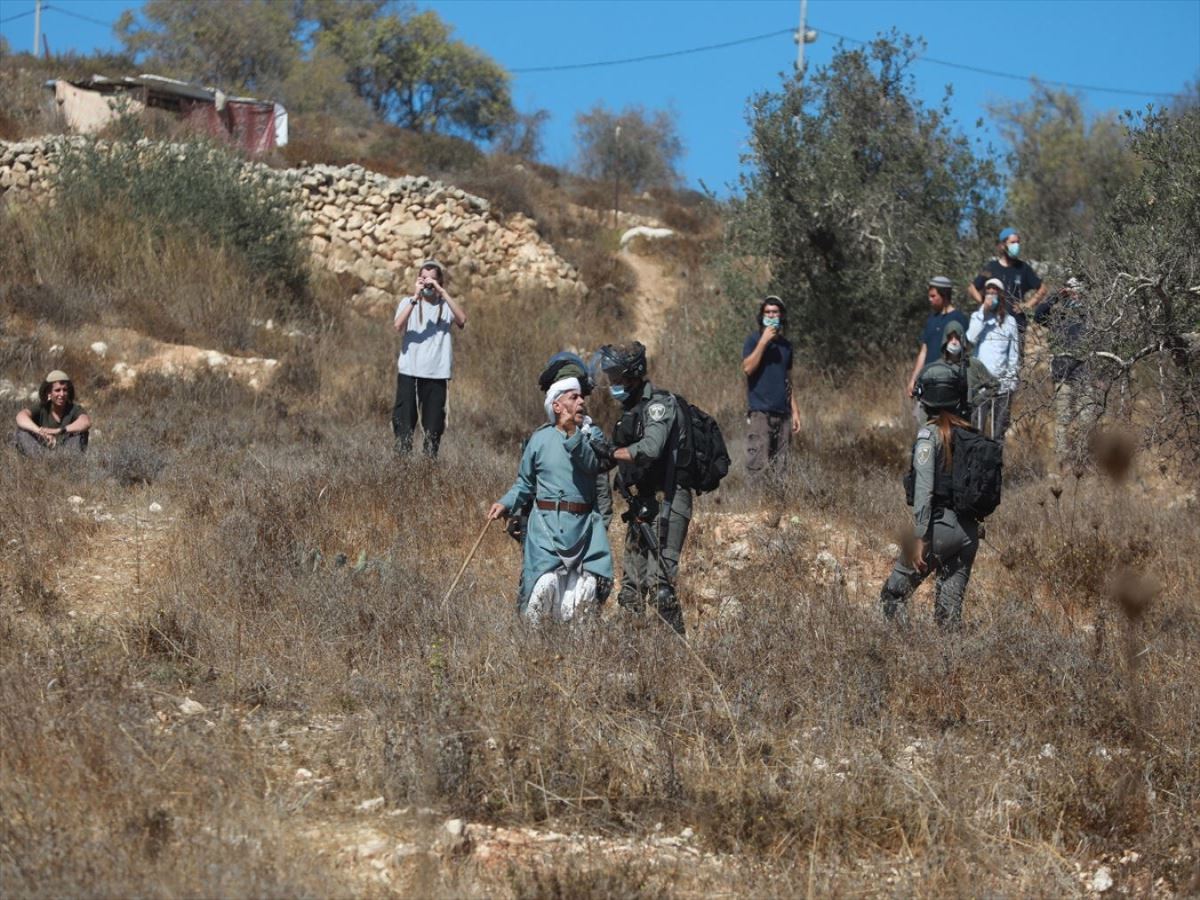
<point x="923" y="454"/>
<point x="924" y="434"/>
<point x="656" y="412"/>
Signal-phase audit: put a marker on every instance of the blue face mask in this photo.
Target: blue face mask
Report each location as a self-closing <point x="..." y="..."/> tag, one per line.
<point x="1014" y="250"/>
<point x="770" y="323"/>
<point x="618" y="391"/>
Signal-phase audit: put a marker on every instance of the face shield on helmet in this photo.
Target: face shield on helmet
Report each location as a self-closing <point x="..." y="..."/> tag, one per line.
<point x="615" y="365"/>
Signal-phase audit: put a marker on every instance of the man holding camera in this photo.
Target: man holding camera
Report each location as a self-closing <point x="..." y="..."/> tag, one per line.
<point x="426" y="358"/>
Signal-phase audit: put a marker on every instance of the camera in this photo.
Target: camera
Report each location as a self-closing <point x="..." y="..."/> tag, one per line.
<point x="429" y="292"/>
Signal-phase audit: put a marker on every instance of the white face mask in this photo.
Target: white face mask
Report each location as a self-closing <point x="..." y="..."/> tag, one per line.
<point x="954" y="348"/>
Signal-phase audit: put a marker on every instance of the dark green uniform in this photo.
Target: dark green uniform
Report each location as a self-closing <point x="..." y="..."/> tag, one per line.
<point x="647" y="429"/>
<point x="950" y="540"/>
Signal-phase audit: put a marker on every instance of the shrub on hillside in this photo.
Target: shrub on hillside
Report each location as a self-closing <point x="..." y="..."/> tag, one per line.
<point x="195" y="188"/>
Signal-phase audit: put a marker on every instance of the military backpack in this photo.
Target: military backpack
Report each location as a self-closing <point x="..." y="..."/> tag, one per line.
<point x="975" y="479"/>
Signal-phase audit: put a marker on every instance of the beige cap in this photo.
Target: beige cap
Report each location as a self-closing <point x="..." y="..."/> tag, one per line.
<point x="994" y="282"/>
<point x="57" y="375"/>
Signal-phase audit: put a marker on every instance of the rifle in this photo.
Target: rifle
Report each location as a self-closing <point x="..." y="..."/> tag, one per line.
<point x="636" y="515"/>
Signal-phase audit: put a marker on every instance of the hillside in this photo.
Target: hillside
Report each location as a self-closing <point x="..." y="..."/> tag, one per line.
<point x="226" y="630"/>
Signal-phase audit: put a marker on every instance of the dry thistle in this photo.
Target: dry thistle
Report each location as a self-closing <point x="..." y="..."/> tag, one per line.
<point x="1134" y="592"/>
<point x="1113" y="451"/>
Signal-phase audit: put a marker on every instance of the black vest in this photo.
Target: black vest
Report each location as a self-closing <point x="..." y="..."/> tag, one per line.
<point x="650" y="475"/>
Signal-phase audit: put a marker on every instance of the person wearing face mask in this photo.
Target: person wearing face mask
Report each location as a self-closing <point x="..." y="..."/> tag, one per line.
<point x="772" y="416"/>
<point x="1017" y="276"/>
<point x="1065" y="316"/>
<point x="426" y="358"/>
<point x="996" y="343"/>
<point x="567" y="558"/>
<point x="979" y="385"/>
<point x="942" y="313"/>
<point x="646" y="438"/>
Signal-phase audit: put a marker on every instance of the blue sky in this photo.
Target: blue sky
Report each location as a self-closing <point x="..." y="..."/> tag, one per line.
<point x="1149" y="45"/>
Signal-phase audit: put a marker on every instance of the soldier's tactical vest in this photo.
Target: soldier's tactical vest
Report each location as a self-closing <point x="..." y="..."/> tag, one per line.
<point x="943" y="482"/>
<point x="631" y="428"/>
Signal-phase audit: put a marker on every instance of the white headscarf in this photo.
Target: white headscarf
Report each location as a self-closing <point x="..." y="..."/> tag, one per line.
<point x="557" y="390"/>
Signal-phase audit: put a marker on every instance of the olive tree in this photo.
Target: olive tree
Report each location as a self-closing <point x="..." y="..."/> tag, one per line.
<point x="1143" y="287"/>
<point x="854" y="194"/>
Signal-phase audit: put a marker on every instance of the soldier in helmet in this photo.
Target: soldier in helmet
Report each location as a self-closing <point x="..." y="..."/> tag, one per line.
<point x="942" y="541"/>
<point x="646" y="440"/>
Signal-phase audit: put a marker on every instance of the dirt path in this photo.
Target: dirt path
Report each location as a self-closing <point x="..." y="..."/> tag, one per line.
<point x="657" y="294"/>
<point x="120" y="560"/>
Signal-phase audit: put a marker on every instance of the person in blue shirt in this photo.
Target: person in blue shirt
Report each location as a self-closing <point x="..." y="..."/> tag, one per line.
<point x="772" y="415"/>
<point x="942" y="313"/>
<point x="996" y="342"/>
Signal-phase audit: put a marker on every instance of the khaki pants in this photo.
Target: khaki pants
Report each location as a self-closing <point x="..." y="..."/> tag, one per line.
<point x="768" y="436"/>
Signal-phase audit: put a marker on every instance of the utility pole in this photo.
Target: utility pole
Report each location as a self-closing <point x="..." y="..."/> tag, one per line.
<point x="616" y="173"/>
<point x="804" y="35"/>
<point x="37" y="26"/>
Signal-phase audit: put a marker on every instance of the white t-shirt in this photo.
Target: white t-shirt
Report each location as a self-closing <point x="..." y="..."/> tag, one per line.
<point x="426" y="350"/>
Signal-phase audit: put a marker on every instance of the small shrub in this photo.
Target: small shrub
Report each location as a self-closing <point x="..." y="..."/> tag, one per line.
<point x="134" y="462"/>
<point x="196" y="188"/>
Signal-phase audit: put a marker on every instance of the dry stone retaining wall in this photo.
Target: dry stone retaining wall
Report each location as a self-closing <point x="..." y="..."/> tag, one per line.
<point x="377" y="228"/>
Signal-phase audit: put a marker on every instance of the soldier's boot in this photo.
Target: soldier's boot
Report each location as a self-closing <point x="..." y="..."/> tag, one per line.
<point x="668" y="607"/>
<point x="631" y="599"/>
<point x="603" y="590"/>
<point x="894" y="597"/>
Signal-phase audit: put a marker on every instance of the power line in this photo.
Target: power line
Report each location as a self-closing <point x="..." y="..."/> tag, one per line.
<point x="761" y="37"/>
<point x="75" y="15"/>
<point x="28" y="12"/>
<point x="48" y="7"/>
<point x="652" y="56"/>
<point x="1011" y="76"/>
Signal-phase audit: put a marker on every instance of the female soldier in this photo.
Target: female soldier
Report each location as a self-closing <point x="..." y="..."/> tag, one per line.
<point x="57" y="422"/>
<point x="943" y="541"/>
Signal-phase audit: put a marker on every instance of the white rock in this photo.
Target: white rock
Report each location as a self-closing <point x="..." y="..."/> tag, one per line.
<point x="1101" y="881"/>
<point x="373" y="847"/>
<point x="1047" y="751"/>
<point x="56" y="349"/>
<point x="303" y="774"/>
<point x="155" y="507"/>
<point x="645" y="232"/>
<point x="99" y="348"/>
<point x="370" y="805"/>
<point x="75" y="500"/>
<point x="455" y="827"/>
<point x="190" y="707"/>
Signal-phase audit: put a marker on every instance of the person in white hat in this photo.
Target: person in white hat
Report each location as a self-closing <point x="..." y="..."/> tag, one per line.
<point x="567" y="557"/>
<point x="996" y="342"/>
<point x="56" y="423"/>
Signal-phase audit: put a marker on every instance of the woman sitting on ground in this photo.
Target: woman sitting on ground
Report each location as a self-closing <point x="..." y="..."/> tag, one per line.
<point x="56" y="423"/>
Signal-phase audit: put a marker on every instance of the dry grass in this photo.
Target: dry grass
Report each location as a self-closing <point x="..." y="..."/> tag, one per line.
<point x="851" y="758"/>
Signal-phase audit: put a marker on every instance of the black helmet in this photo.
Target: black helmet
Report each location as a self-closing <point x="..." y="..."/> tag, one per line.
<point x="942" y="387"/>
<point x="566" y="365"/>
<point x="623" y="360"/>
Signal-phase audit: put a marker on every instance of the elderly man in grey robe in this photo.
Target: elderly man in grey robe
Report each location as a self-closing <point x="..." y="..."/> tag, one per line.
<point x="566" y="548"/>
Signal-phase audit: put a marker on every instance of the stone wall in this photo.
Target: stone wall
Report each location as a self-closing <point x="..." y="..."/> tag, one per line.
<point x="376" y="228"/>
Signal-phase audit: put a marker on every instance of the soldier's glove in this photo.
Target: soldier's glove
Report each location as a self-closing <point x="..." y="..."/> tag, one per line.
<point x="604" y="451"/>
<point x="515" y="527"/>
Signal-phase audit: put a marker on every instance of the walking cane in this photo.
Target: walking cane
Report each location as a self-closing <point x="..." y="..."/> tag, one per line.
<point x="466" y="562"/>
